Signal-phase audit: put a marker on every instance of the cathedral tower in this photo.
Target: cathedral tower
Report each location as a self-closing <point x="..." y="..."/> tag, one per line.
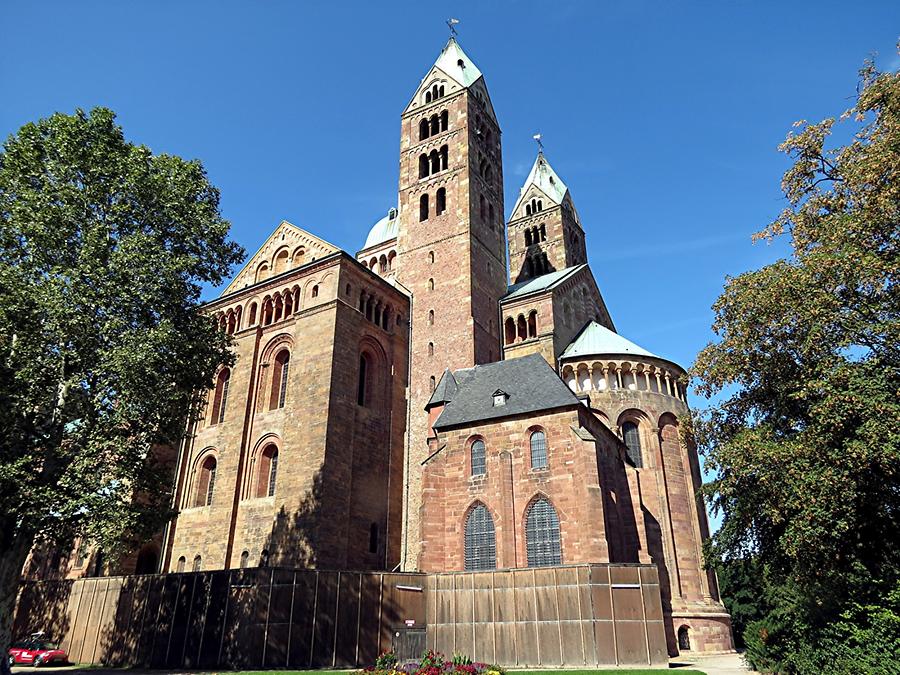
<point x="450" y="244"/>
<point x="544" y="230"/>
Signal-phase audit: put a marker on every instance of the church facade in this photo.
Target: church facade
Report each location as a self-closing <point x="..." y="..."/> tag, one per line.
<point x="452" y="397"/>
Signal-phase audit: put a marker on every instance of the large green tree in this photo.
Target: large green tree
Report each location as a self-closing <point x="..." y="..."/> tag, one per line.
<point x="104" y="247"/>
<point x="805" y="443"/>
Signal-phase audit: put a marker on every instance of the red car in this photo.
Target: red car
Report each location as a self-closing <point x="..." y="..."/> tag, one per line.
<point x="36" y="651"/>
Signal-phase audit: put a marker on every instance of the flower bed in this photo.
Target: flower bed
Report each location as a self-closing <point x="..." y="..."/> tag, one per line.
<point x="431" y="663"/>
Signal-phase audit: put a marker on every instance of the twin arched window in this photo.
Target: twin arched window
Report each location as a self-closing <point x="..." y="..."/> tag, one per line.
<point x="280" y="371"/>
<point x="542" y="536"/>
<point x="479" y="466"/>
<point x="480" y="540"/>
<point x="206" y="482"/>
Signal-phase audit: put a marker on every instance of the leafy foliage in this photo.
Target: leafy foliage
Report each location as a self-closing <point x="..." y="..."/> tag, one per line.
<point x="104" y="247"/>
<point x="805" y="444"/>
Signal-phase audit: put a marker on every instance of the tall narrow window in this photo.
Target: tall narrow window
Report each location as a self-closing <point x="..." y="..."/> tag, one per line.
<point x="538" y="450"/>
<point x="445" y="119"/>
<point x="273" y="473"/>
<point x="510" y="328"/>
<point x="245" y="558"/>
<point x="440" y="202"/>
<point x="181" y="563"/>
<point x="532" y="324"/>
<point x="528" y="237"/>
<point x="361" y="382"/>
<point x="542" y="537"/>
<point x="445" y="154"/>
<point x="423" y="165"/>
<point x="481" y="543"/>
<point x="423" y="130"/>
<point x="478" y="461"/>
<point x="206" y="482"/>
<point x="220" y="399"/>
<point x="430" y="317"/>
<point x="264" y="558"/>
<point x="197" y="563"/>
<point x="280" y="369"/>
<point x="632" y="437"/>
<point x="432" y="383"/>
<point x="423" y="207"/>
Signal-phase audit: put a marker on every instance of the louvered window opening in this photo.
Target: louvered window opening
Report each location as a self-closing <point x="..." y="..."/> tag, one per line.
<point x="632" y="438"/>
<point x="481" y="543"/>
<point x="478" y="462"/>
<point x="538" y="450"/>
<point x="542" y="535"/>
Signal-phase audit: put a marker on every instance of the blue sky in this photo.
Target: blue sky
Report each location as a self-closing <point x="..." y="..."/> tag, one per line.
<point x="663" y="118"/>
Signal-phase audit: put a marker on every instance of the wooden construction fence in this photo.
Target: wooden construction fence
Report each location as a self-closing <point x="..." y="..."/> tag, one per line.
<point x="570" y="616"/>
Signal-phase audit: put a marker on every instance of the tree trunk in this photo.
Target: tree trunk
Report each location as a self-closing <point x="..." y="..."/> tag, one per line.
<point x="11" y="561"/>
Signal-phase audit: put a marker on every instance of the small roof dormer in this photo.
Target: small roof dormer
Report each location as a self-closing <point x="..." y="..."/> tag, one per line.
<point x="500" y="397"/>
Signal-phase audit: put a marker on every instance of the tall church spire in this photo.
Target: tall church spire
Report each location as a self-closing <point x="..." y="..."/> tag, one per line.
<point x="544" y="231"/>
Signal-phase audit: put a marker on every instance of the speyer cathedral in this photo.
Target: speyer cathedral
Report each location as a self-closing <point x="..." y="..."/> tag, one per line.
<point x="453" y="397"/>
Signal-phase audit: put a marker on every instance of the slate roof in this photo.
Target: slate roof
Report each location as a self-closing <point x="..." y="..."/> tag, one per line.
<point x="595" y="339"/>
<point x="530" y="382"/>
<point x="541" y="283"/>
<point x="445" y="389"/>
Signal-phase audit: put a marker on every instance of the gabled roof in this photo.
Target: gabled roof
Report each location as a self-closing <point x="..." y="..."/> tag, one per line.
<point x="529" y="382"/>
<point x="286" y="235"/>
<point x="541" y="283"/>
<point x="595" y="340"/>
<point x="449" y="61"/>
<point x="545" y="179"/>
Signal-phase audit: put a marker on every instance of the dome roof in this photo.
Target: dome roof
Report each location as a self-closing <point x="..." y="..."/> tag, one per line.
<point x="596" y="340"/>
<point x="384" y="230"/>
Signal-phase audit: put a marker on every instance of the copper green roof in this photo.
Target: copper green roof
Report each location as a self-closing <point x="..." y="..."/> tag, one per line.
<point x="384" y="230"/>
<point x="457" y="64"/>
<point x="595" y="340"/>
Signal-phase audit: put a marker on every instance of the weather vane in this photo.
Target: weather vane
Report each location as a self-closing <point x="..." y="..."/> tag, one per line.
<point x="451" y="22"/>
<point x="538" y="138"/>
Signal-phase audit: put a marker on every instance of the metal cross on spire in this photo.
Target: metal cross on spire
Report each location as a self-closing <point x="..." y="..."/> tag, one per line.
<point x="539" y="140"/>
<point x="451" y="22"/>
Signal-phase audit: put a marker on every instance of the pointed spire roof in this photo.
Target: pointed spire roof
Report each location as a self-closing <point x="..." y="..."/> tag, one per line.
<point x="444" y="391"/>
<point x="457" y="64"/>
<point x="545" y="179"/>
<point x="595" y="340"/>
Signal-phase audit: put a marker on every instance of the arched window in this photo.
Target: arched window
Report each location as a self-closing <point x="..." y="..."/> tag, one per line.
<point x="480" y="542"/>
<point x="431" y="284"/>
<point x="423" y="165"/>
<point x="540" y="205"/>
<point x="432" y="383"/>
<point x="362" y="384"/>
<point x="280" y="368"/>
<point x="430" y="317"/>
<point x="206" y="482"/>
<point x="632" y="437"/>
<point x="315" y="291"/>
<point x="252" y="314"/>
<point x="430" y="349"/>
<point x="542" y="537"/>
<point x="220" y="398"/>
<point x="433" y="124"/>
<point x="445" y="120"/>
<point x="298" y="256"/>
<point x="528" y="237"/>
<point x="431" y="257"/>
<point x="264" y="558"/>
<point x="267" y="471"/>
<point x="434" y="161"/>
<point x="197" y="563"/>
<point x="440" y="202"/>
<point x="528" y="209"/>
<point x="684" y="639"/>
<point x="373" y="538"/>
<point x="522" y="328"/>
<point x="428" y="97"/>
<point x="262" y="272"/>
<point x="441" y="91"/>
<point x="478" y="460"/>
<point x="245" y="559"/>
<point x="532" y="324"/>
<point x="445" y="155"/>
<point x="423" y="207"/>
<point x="538" y="450"/>
<point x="181" y="563"/>
<point x="281" y="261"/>
<point x="423" y="130"/>
<point x="543" y="232"/>
<point x="510" y="330"/>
